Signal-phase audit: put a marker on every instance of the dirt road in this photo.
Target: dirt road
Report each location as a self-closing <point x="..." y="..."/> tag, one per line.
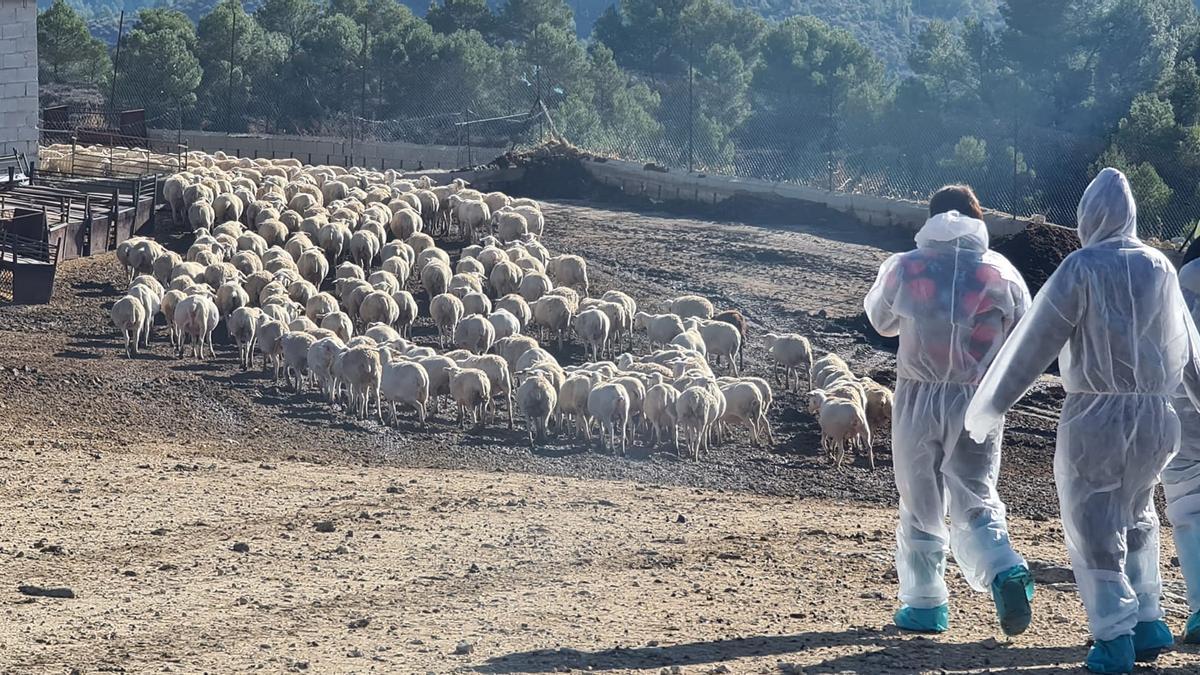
<point x="349" y="569"/>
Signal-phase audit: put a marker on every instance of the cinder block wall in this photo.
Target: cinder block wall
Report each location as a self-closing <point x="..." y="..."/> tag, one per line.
<point x="18" y="77"/>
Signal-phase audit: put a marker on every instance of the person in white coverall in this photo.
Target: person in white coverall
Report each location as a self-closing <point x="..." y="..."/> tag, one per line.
<point x="1114" y="316"/>
<point x="1181" y="478"/>
<point x="952" y="302"/>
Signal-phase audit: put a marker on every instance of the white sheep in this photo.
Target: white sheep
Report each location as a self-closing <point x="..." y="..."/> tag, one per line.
<point x="592" y="327"/>
<point x="515" y="305"/>
<point x="475" y="334"/>
<point x="340" y="323"/>
<point x="242" y="324"/>
<point x="405" y="383"/>
<point x="569" y="270"/>
<point x="660" y="328"/>
<point x="721" y="340"/>
<point x="504" y="323"/>
<point x="608" y="405"/>
<point x="471" y="391"/>
<point x="745" y="405"/>
<point x="476" y="303"/>
<point x="378" y="307"/>
<point x="407" y="316"/>
<point x="536" y="399"/>
<point x="268" y="340"/>
<point x="435" y="278"/>
<point x="128" y="314"/>
<point x="692" y="306"/>
<point x="533" y="286"/>
<point x="195" y="319"/>
<point x="695" y="411"/>
<point x="791" y="351"/>
<point x="658" y="410"/>
<point x="313" y="266"/>
<point x="362" y="371"/>
<point x="841" y="422"/>
<point x="553" y="313"/>
<point x="447" y="311"/>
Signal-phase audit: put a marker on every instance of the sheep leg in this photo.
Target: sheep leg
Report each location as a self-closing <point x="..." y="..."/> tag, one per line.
<point x="508" y="398"/>
<point x="211" y="351"/>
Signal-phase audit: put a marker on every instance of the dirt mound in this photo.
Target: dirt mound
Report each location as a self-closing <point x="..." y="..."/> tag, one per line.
<point x="552" y="171"/>
<point x="1038" y="250"/>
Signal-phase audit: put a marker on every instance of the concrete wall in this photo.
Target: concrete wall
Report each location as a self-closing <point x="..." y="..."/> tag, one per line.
<point x="335" y="151"/>
<point x="634" y="179"/>
<point x="18" y="77"/>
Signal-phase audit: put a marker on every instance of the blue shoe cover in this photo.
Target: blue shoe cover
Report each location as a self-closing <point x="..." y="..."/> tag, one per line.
<point x="1111" y="657"/>
<point x="1191" y="634"/>
<point x="1151" y="638"/>
<point x="1012" y="591"/>
<point x="924" y="619"/>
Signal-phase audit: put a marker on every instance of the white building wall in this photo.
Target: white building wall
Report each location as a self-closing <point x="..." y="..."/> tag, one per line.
<point x="18" y="77"/>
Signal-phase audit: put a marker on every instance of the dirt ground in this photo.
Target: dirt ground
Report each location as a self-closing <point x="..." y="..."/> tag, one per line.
<point x="130" y="481"/>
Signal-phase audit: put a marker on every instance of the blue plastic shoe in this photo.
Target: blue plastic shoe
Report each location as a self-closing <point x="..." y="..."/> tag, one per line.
<point x="1012" y="590"/>
<point x="1151" y="638"/>
<point x="924" y="619"/>
<point x="1191" y="634"/>
<point x="1111" y="657"/>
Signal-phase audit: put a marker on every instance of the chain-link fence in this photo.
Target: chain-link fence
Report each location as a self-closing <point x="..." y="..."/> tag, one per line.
<point x="1014" y="165"/>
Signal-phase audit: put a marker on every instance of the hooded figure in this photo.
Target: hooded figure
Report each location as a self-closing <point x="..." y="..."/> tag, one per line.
<point x="1114" y="316"/>
<point x="952" y="302"/>
<point x="1181" y="478"/>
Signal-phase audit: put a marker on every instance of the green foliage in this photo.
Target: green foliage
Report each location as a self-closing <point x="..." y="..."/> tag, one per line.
<point x="970" y="154"/>
<point x="455" y="15"/>
<point x="1152" y="193"/>
<point x="67" y="52"/>
<point x="164" y="73"/>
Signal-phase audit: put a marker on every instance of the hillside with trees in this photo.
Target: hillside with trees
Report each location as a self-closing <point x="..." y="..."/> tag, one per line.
<point x="1024" y="101"/>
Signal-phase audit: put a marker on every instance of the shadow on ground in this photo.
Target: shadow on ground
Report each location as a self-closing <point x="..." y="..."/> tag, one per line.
<point x="882" y="651"/>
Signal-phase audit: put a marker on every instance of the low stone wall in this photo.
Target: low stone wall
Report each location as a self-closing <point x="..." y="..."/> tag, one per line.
<point x="635" y="179"/>
<point x="335" y="151"/>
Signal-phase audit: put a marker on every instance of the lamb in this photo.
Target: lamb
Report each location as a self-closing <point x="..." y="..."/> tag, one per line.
<point x="242" y="324"/>
<point x="196" y="318"/>
<point x="692" y="306"/>
<point x="129" y="316"/>
<point x="515" y="305"/>
<point x="499" y="379"/>
<point x="447" y="311"/>
<point x="476" y="303"/>
<point x="879" y="405"/>
<point x="364" y="246"/>
<point x="841" y="421"/>
<point x="404" y="223"/>
<point x="533" y="286"/>
<point x="691" y="339"/>
<point x="791" y="351"/>
<point x="378" y="307"/>
<point x="407" y="307"/>
<point x="592" y="326"/>
<point x="339" y="323"/>
<point x="504" y="278"/>
<point x="406" y="383"/>
<point x="660" y="328"/>
<point x="471" y="391"/>
<point x="435" y="278"/>
<point x="745" y="405"/>
<point x="504" y="323"/>
<point x="362" y="371"/>
<point x="268" y="340"/>
<point x="721" y="340"/>
<point x="658" y="410"/>
<point x="536" y="399"/>
<point x="569" y="270"/>
<point x="313" y="266"/>
<point x="319" y="306"/>
<point x="166" y="306"/>
<point x="322" y="356"/>
<point x="151" y="298"/>
<point x="553" y="313"/>
<point x="695" y="409"/>
<point x="475" y="334"/>
<point x="735" y="318"/>
<point x="608" y="404"/>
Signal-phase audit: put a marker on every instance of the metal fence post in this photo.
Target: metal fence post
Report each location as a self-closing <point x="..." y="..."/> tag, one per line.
<point x="112" y="97"/>
<point x="229" y="91"/>
<point x="691" y="110"/>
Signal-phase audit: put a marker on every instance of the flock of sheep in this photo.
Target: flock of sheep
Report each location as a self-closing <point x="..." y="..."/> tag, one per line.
<point x="106" y="160"/>
<point x="318" y="270"/>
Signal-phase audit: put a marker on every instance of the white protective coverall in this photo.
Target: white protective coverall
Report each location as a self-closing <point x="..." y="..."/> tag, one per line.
<point x="952" y="302"/>
<point x="1114" y="316"/>
<point x="1181" y="478"/>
